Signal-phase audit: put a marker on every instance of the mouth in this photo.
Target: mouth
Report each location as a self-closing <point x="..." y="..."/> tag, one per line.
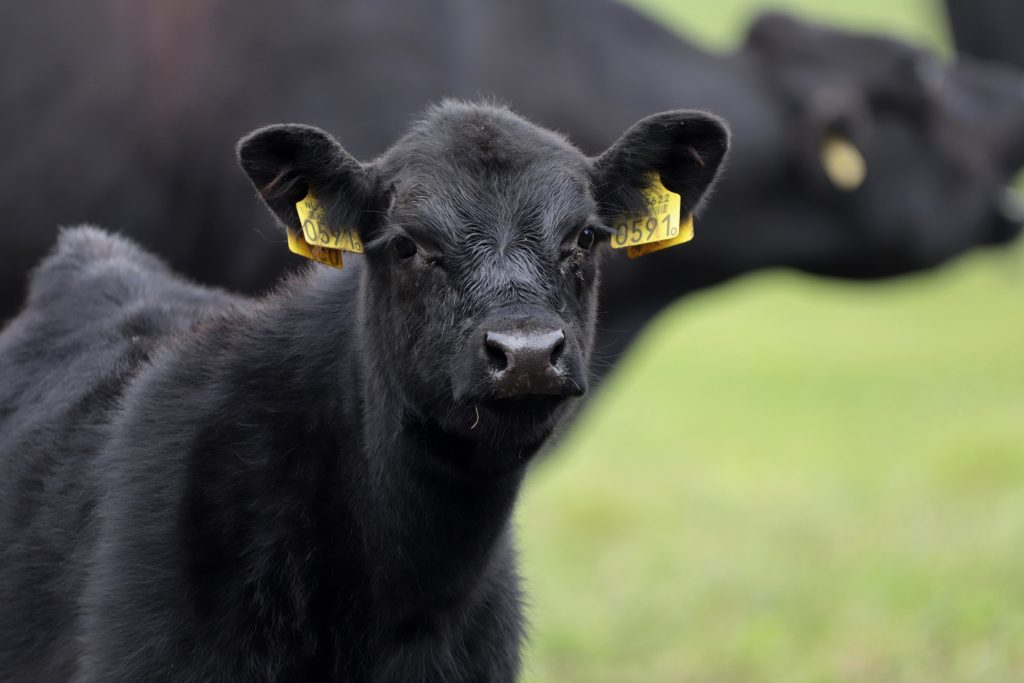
<point x="1009" y="214"/>
<point x="536" y="408"/>
<point x="525" y="421"/>
<point x="1011" y="204"/>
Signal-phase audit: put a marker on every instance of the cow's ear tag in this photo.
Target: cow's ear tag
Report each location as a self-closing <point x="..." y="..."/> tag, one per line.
<point x="656" y="228"/>
<point x="843" y="163"/>
<point x="318" y="241"/>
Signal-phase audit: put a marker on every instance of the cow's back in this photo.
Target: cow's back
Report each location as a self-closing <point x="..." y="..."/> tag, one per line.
<point x="98" y="309"/>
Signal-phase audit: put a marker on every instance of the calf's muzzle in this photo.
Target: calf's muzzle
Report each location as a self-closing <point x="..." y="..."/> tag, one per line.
<point x="526" y="356"/>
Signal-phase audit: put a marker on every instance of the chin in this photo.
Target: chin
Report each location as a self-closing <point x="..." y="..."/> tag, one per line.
<point x="520" y="425"/>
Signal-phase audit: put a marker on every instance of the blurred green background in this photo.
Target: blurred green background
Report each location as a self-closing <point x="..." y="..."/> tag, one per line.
<point x="791" y="479"/>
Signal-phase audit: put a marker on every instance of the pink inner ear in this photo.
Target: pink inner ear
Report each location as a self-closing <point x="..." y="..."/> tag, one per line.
<point x="696" y="156"/>
<point x="269" y="187"/>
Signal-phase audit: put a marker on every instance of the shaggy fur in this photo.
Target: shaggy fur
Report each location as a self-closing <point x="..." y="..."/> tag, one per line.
<point x="316" y="485"/>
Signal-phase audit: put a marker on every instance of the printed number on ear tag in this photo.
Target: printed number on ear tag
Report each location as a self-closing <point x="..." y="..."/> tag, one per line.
<point x="656" y="229"/>
<point x="317" y="240"/>
<point x="298" y="245"/>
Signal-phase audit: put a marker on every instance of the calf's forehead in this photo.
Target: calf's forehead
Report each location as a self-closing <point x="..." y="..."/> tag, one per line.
<point x="477" y="175"/>
<point x="501" y="191"/>
<point x="543" y="198"/>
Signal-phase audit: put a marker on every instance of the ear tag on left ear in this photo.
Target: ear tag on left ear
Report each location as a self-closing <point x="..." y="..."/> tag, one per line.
<point x="655" y="229"/>
<point x="318" y="241"/>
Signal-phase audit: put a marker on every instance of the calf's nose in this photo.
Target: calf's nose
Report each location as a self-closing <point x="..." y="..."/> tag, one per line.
<point x="525" y="361"/>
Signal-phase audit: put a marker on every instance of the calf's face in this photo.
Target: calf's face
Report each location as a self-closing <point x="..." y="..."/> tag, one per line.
<point x="483" y="235"/>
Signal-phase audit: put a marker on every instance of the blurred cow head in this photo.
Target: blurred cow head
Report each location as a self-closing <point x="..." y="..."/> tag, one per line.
<point x="905" y="158"/>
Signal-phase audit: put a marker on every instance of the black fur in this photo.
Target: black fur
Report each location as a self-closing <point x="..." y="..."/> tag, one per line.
<point x="121" y="121"/>
<point x="199" y="487"/>
<point x="648" y="144"/>
<point x="988" y="29"/>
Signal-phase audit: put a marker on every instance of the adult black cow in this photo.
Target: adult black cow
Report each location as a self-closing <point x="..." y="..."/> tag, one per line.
<point x="119" y="121"/>
<point x="939" y="144"/>
<point x="988" y="29"/>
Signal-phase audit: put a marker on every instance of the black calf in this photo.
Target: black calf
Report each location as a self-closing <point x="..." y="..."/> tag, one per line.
<point x="316" y="485"/>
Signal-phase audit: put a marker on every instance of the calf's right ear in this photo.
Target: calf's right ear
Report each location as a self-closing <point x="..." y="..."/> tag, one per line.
<point x="285" y="161"/>
<point x="685" y="148"/>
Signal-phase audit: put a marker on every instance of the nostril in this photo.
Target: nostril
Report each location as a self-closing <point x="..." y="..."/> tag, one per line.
<point x="497" y="357"/>
<point x="557" y="349"/>
<point x="527" y="360"/>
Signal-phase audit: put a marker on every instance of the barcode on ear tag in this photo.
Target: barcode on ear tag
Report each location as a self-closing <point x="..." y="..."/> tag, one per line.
<point x="655" y="229"/>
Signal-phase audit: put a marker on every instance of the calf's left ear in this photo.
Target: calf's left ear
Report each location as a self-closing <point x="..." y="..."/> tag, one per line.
<point x="686" y="148"/>
<point x="285" y="161"/>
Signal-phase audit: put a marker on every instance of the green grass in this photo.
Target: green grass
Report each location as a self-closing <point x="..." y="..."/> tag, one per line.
<point x="722" y="23"/>
<point x="795" y="480"/>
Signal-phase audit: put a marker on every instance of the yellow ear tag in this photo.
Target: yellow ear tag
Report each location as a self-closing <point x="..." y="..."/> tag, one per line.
<point x="657" y="228"/>
<point x="843" y="163"/>
<point x="318" y="241"/>
<point x="298" y="245"/>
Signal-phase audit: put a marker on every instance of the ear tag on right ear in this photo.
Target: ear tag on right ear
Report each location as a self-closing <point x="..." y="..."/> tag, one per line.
<point x="655" y="229"/>
<point x="843" y="163"/>
<point x="298" y="245"/>
<point x="318" y="241"/>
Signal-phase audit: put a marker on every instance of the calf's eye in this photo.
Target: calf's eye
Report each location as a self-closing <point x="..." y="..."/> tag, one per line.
<point x="586" y="238"/>
<point x="404" y="247"/>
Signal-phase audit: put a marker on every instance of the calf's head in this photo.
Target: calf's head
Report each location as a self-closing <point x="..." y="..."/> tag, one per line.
<point x="483" y="235"/>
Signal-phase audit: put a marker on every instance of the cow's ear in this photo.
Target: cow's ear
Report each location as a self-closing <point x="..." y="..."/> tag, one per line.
<point x="284" y="162"/>
<point x="686" y="148"/>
